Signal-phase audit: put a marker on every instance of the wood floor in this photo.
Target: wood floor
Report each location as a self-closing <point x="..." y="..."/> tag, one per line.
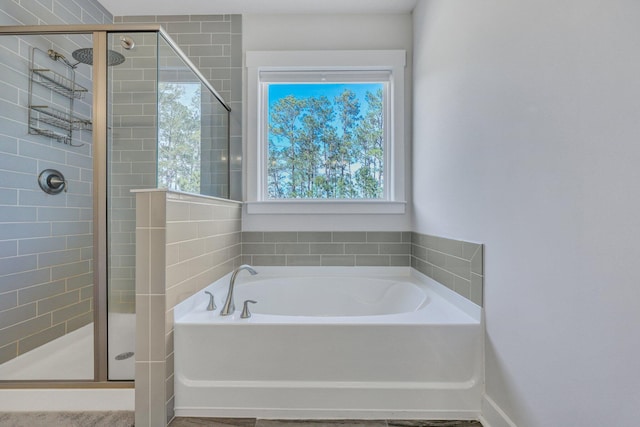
<point x="236" y="422"/>
<point x="126" y="419"/>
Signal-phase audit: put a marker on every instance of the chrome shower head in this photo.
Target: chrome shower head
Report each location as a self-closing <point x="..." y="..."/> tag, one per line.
<point x="85" y="55"/>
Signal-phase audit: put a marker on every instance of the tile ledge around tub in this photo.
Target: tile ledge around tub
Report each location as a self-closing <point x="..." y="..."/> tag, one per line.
<point x="183" y="195"/>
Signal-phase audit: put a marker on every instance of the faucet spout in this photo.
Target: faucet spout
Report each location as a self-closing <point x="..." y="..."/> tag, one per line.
<point x="229" y="305"/>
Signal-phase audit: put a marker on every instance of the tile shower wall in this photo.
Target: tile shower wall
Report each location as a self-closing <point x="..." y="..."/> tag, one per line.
<point x="214" y="44"/>
<point x="456" y="264"/>
<point x="46" y="281"/>
<point x="184" y="242"/>
<point x="54" y="12"/>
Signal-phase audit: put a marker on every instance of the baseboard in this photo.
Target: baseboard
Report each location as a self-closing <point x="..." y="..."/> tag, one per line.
<point x="493" y="416"/>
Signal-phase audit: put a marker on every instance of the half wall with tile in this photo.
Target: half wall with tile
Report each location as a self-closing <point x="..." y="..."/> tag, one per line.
<point x="184" y="242"/>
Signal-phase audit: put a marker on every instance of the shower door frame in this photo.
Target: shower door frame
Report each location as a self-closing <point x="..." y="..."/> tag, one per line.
<point x="99" y="149"/>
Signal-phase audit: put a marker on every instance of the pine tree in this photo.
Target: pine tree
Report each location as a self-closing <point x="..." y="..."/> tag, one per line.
<point x="178" y="139"/>
<point x="325" y="149"/>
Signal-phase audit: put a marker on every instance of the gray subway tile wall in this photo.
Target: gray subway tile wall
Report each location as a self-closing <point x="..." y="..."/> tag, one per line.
<point x="46" y="281"/>
<point x="326" y="248"/>
<point x="132" y="160"/>
<point x="454" y="263"/>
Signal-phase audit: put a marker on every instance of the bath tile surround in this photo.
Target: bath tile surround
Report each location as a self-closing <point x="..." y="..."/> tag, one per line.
<point x="185" y="242"/>
<point x="457" y="264"/>
<point x="454" y="263"/>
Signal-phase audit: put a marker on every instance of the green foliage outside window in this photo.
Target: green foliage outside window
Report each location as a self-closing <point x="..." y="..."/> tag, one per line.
<point x="324" y="147"/>
<point x="179" y="136"/>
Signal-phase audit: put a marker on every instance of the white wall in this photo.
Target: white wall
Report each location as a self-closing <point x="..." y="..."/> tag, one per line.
<point x="527" y="138"/>
<point x="327" y="32"/>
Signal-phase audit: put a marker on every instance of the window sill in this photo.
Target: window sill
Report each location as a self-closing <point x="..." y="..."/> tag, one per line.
<point x="324" y="207"/>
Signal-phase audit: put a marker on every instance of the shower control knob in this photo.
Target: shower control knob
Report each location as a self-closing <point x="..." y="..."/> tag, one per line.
<point x="52" y="181"/>
<point x="245" y="309"/>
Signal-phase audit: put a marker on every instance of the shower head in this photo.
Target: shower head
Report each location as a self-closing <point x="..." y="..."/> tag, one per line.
<point x="85" y="55"/>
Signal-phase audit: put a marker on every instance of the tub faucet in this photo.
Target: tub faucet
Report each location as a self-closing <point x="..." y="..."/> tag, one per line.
<point x="229" y="306"/>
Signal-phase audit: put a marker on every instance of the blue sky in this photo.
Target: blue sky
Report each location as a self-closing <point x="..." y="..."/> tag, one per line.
<point x="330" y="90"/>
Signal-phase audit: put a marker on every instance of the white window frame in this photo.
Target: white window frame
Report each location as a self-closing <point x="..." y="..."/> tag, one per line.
<point x="271" y="64"/>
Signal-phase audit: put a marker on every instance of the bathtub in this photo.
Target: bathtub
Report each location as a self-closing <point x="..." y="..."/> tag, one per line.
<point x="327" y="343"/>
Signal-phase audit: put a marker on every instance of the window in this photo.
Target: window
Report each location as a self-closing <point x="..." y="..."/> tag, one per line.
<point x="327" y="132"/>
<point x="325" y="137"/>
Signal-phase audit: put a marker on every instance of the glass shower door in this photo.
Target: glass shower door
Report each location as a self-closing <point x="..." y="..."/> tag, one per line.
<point x="131" y="152"/>
<point x="193" y="129"/>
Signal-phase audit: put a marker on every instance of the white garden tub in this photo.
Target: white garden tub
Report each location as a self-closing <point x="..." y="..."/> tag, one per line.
<point x="327" y="342"/>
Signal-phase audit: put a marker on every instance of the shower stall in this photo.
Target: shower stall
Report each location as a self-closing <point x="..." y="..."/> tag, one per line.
<point x="87" y="114"/>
